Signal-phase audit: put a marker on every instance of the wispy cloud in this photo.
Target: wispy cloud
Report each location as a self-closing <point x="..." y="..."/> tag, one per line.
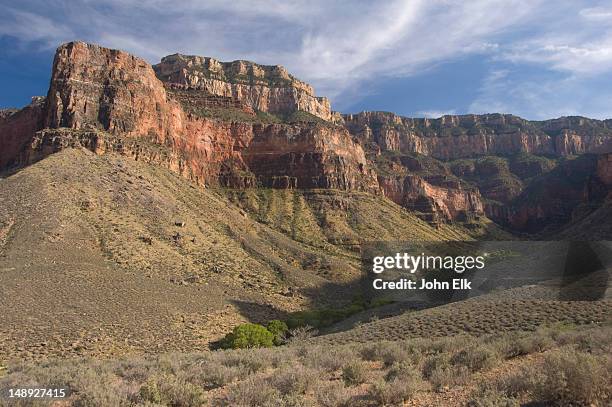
<point x="340" y="46"/>
<point x="32" y="27"/>
<point x="434" y="114"/>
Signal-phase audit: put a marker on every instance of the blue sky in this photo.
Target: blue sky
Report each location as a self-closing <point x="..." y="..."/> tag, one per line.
<point x="535" y="58"/>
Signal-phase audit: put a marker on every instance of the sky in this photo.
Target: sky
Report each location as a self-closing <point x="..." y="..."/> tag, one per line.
<point x="538" y="59"/>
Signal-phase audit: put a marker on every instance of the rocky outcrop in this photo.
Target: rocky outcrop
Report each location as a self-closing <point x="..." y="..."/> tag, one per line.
<point x="453" y="137"/>
<point x="573" y="189"/>
<point x="93" y="87"/>
<point x="206" y="121"/>
<point x="96" y="91"/>
<point x="265" y="88"/>
<point x="308" y="156"/>
<point x="604" y="169"/>
<point x="16" y="130"/>
<point x="434" y="203"/>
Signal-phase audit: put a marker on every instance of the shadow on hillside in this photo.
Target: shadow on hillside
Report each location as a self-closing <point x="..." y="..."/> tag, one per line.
<point x="259" y="313"/>
<point x="548" y="271"/>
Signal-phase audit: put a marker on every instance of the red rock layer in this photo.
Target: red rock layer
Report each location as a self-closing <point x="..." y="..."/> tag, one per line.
<point x="436" y="203"/>
<point x="95" y="88"/>
<point x="453" y="137"/>
<point x="17" y="129"/>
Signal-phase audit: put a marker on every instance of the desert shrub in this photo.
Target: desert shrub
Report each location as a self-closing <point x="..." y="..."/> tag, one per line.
<point x="402" y="370"/>
<point x="332" y="394"/>
<point x="327" y="359"/>
<point x="248" y="336"/>
<point x="435" y="362"/>
<point x="170" y="390"/>
<point x="446" y="344"/>
<point x="442" y="374"/>
<point x="590" y="341"/>
<point x="492" y="398"/>
<point x="294" y="380"/>
<point x="92" y="386"/>
<point x="150" y="392"/>
<point x="278" y="356"/>
<point x="300" y="334"/>
<point x="278" y="329"/>
<point x="324" y="317"/>
<point x="354" y="373"/>
<point x="213" y="374"/>
<point x="512" y="346"/>
<point x="446" y="377"/>
<point x="476" y="358"/>
<point x="133" y="370"/>
<point x="513" y="385"/>
<point x="250" y="361"/>
<point x="372" y="351"/>
<point x="568" y="377"/>
<point x="293" y="400"/>
<point x="395" y="353"/>
<point x="394" y="392"/>
<point x="252" y="392"/>
<point x="170" y="363"/>
<point x="390" y="353"/>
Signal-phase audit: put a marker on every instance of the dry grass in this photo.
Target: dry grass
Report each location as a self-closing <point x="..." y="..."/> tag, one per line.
<point x="573" y="367"/>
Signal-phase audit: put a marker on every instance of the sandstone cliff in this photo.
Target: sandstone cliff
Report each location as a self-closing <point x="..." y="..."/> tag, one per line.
<point x="434" y="203"/>
<point x="453" y="137"/>
<point x="17" y="129"/>
<point x="567" y="193"/>
<point x="95" y="89"/>
<point x="244" y="125"/>
<point x="264" y="88"/>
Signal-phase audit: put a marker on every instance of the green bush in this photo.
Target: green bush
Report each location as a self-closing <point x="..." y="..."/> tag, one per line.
<point x="278" y="329"/>
<point x="248" y="336"/>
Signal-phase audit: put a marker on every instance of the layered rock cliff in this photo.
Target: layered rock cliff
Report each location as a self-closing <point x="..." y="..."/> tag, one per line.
<point x="454" y="137"/>
<point x="244" y="125"/>
<point x="17" y="128"/>
<point x="265" y="88"/>
<point x="569" y="192"/>
<point x="434" y="203"/>
<point x="108" y="91"/>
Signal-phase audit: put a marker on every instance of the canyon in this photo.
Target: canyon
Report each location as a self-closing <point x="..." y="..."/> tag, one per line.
<point x="241" y="125"/>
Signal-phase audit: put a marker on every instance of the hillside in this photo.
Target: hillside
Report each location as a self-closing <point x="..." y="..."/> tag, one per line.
<point x="147" y="211"/>
<point x="127" y="256"/>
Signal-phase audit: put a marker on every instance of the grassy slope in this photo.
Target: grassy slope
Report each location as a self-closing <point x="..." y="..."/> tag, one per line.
<point x="91" y="252"/>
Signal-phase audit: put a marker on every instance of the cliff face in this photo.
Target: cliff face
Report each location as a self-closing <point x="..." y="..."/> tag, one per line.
<point x="203" y="119"/>
<point x="567" y="193"/>
<point x="264" y="88"/>
<point x="96" y="87"/>
<point x="434" y="203"/>
<point x="94" y="90"/>
<point x="308" y="156"/>
<point x="17" y="129"/>
<point x="454" y="137"/>
<point x="604" y="168"/>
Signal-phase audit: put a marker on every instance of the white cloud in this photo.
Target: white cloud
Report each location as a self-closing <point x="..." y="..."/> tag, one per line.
<point x="539" y="99"/>
<point x="588" y="58"/>
<point x="435" y="114"/>
<point x="596" y="13"/>
<point x="31" y="27"/>
<point x="339" y="46"/>
<point x="335" y="44"/>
